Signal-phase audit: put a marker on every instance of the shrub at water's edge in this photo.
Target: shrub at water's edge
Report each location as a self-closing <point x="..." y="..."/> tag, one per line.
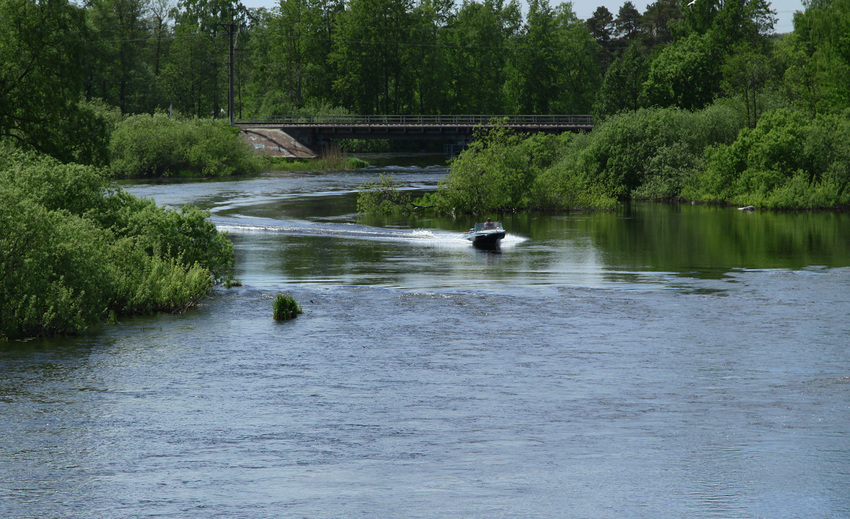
<point x="500" y="172"/>
<point x="648" y="154"/>
<point x="383" y="197"/>
<point x="333" y="158"/>
<point x="74" y="253"/>
<point x="285" y="308"/>
<point x="789" y="161"/>
<point x="158" y="146"/>
<point x="494" y="174"/>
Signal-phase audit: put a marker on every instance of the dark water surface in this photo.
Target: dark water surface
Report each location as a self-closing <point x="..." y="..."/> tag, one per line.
<point x="660" y="361"/>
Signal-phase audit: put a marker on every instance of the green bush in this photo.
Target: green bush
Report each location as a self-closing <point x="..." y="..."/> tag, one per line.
<point x="497" y="172"/>
<point x="646" y="154"/>
<point x="342" y="163"/>
<point x="357" y="163"/>
<point x="50" y="269"/>
<point x="383" y="197"/>
<point x="51" y="184"/>
<point x="564" y="189"/>
<point x="491" y="175"/>
<point x="73" y="253"/>
<point x="650" y="153"/>
<point x="285" y="308"/>
<point x="158" y="146"/>
<point x="186" y="234"/>
<point x="145" y="283"/>
<point x="787" y="161"/>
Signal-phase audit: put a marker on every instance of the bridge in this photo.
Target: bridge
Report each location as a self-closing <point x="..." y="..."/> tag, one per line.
<point x="312" y="131"/>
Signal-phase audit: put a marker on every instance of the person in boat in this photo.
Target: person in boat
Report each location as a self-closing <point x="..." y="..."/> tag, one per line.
<point x="489" y="224"/>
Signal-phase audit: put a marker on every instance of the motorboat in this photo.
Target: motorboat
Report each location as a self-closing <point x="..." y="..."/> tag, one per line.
<point x="485" y="234"/>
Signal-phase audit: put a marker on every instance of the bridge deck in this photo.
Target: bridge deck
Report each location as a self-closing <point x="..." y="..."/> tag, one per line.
<point x="312" y="130"/>
<point x="420" y="120"/>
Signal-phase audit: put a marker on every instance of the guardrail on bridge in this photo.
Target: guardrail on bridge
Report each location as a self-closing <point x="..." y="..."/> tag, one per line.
<point x="422" y="120"/>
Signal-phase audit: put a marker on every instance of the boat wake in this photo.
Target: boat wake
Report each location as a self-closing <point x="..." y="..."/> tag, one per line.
<point x="430" y="237"/>
<point x="340" y="230"/>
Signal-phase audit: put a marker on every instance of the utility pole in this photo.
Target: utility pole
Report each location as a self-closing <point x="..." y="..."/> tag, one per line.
<point x="231" y="32"/>
<point x="230" y="86"/>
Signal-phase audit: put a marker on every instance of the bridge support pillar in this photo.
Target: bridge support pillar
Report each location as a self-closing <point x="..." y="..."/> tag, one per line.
<point x="276" y="143"/>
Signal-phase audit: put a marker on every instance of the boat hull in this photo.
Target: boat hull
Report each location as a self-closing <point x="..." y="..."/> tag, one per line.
<point x="487" y="239"/>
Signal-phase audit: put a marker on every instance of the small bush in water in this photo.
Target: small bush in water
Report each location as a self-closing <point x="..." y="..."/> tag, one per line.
<point x="383" y="197"/>
<point x="285" y="308"/>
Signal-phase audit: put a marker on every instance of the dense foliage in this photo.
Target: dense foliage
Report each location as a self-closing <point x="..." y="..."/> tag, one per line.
<point x="789" y="160"/>
<point x="157" y="145"/>
<point x="401" y="57"/>
<point x="503" y="172"/>
<point x="43" y="46"/>
<point x="648" y="153"/>
<point x="708" y="109"/>
<point x="383" y="196"/>
<point x="73" y="253"/>
<point x="361" y="56"/>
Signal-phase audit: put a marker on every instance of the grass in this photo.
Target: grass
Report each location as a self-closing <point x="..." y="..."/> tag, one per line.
<point x="333" y="159"/>
<point x="286" y="308"/>
<point x="320" y="164"/>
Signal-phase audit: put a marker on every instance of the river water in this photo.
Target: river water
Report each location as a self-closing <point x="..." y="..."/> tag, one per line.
<point x="658" y="361"/>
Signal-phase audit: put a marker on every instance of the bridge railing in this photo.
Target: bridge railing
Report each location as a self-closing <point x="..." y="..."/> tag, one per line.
<point x="410" y="120"/>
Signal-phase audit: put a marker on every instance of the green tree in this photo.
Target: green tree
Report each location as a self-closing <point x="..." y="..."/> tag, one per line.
<point x="602" y="27"/>
<point x="195" y="75"/>
<point x="688" y="72"/>
<point x="627" y="26"/>
<point x="42" y="51"/>
<point x="730" y="21"/>
<point x="746" y="72"/>
<point x="819" y="74"/>
<point x="159" y="21"/>
<point x="623" y="84"/>
<point x="119" y="73"/>
<point x="749" y="21"/>
<point x="798" y="80"/>
<point x="369" y="56"/>
<point x="322" y="72"/>
<point x="534" y="68"/>
<point x="290" y="47"/>
<point x="476" y="41"/>
<point x="685" y="73"/>
<point x="553" y="68"/>
<point x="427" y="57"/>
<point x="658" y="21"/>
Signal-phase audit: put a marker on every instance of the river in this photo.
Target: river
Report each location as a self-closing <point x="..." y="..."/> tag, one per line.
<point x="657" y="361"/>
